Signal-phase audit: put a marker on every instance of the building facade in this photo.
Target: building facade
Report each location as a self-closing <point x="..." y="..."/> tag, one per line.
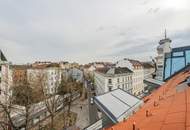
<point x="5" y="79"/>
<point x="177" y="59"/>
<point x="50" y="76"/>
<point x="109" y="79"/>
<point x="149" y="69"/>
<point x="76" y="74"/>
<point x="138" y="74"/>
<point x="162" y="49"/>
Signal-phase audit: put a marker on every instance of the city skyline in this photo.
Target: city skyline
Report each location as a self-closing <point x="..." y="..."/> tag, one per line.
<point x="86" y="31"/>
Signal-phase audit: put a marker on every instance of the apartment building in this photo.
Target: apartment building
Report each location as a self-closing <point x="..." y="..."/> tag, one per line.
<point x="107" y="79"/>
<point x="49" y="74"/>
<point x="149" y="69"/>
<point x="137" y="76"/>
<point x="4" y="78"/>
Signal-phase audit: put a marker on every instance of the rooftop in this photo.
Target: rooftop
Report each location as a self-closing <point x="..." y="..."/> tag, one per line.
<point x="114" y="70"/>
<point x="165" y="109"/>
<point x="147" y="65"/>
<point x="117" y="104"/>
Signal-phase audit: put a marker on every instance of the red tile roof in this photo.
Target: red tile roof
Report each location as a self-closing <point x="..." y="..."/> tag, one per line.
<point x="165" y="109"/>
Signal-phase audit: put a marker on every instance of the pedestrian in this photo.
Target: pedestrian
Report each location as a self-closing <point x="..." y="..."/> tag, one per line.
<point x="81" y="107"/>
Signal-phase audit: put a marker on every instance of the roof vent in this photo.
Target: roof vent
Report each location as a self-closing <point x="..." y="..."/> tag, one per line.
<point x="148" y="113"/>
<point x="156" y="103"/>
<point x="134" y="126"/>
<point x="160" y="98"/>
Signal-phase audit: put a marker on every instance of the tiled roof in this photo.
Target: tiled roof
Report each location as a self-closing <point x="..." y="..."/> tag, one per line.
<point x="119" y="70"/>
<point x="115" y="70"/>
<point x="102" y="70"/>
<point x="165" y="109"/>
<point x="134" y="62"/>
<point x="147" y="65"/>
<point x="20" y="66"/>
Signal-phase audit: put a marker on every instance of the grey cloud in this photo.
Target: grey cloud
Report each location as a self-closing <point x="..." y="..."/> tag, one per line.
<point x="85" y="30"/>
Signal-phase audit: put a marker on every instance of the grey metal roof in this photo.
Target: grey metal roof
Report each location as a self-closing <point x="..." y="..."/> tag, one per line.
<point x="154" y="81"/>
<point x="119" y="70"/>
<point x="2" y="56"/>
<point x="117" y="104"/>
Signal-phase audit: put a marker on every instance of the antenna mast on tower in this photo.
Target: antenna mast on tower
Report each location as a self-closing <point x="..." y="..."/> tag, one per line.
<point x="165" y="34"/>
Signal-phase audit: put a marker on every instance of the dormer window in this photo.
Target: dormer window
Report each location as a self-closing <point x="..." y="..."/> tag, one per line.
<point x="109" y="81"/>
<point x="110" y="88"/>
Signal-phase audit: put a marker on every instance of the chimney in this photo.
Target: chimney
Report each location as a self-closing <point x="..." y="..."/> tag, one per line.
<point x="147" y="113"/>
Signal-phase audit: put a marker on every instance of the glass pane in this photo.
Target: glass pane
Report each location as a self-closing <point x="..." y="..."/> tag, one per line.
<point x="178" y="53"/>
<point x="167" y="68"/>
<point x="187" y="57"/>
<point x="177" y="64"/>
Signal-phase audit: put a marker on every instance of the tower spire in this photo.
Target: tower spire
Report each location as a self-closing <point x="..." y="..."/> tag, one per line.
<point x="165" y="34"/>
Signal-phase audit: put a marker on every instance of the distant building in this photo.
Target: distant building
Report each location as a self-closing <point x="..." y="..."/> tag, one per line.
<point x="175" y="60"/>
<point x="76" y="74"/>
<point x="51" y="74"/>
<point x="19" y="74"/>
<point x="90" y="68"/>
<point x="138" y="74"/>
<point x="149" y="69"/>
<point x="108" y="79"/>
<point x="162" y="49"/>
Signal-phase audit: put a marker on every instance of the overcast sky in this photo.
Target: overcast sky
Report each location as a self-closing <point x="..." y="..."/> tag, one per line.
<point x="90" y="30"/>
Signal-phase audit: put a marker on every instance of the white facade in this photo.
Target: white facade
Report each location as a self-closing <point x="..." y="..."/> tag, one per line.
<point x="106" y="82"/>
<point x="5" y="83"/>
<point x="4" y="79"/>
<point x="137" y="76"/>
<point x="162" y="49"/>
<point x="52" y="77"/>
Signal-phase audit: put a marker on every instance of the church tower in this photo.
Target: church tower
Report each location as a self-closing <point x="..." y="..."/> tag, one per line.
<point x="163" y="48"/>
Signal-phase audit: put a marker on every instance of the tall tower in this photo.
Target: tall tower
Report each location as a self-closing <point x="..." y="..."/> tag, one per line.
<point x="163" y="48"/>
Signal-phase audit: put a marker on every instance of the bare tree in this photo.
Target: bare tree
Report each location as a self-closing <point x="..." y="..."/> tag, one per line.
<point x="51" y="100"/>
<point x="23" y="95"/>
<point x="67" y="88"/>
<point x="6" y="120"/>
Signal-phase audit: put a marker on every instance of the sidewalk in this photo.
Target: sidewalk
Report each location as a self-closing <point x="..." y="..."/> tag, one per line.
<point x="83" y="114"/>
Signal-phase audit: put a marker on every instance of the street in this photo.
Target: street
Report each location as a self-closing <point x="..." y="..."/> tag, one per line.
<point x="93" y="116"/>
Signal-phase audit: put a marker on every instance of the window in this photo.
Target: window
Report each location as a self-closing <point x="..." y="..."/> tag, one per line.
<point x="118" y="80"/>
<point x="167" y="68"/>
<point x="110" y="88"/>
<point x="109" y="81"/>
<point x="177" y="64"/>
<point x="187" y="53"/>
<point x="178" y="53"/>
